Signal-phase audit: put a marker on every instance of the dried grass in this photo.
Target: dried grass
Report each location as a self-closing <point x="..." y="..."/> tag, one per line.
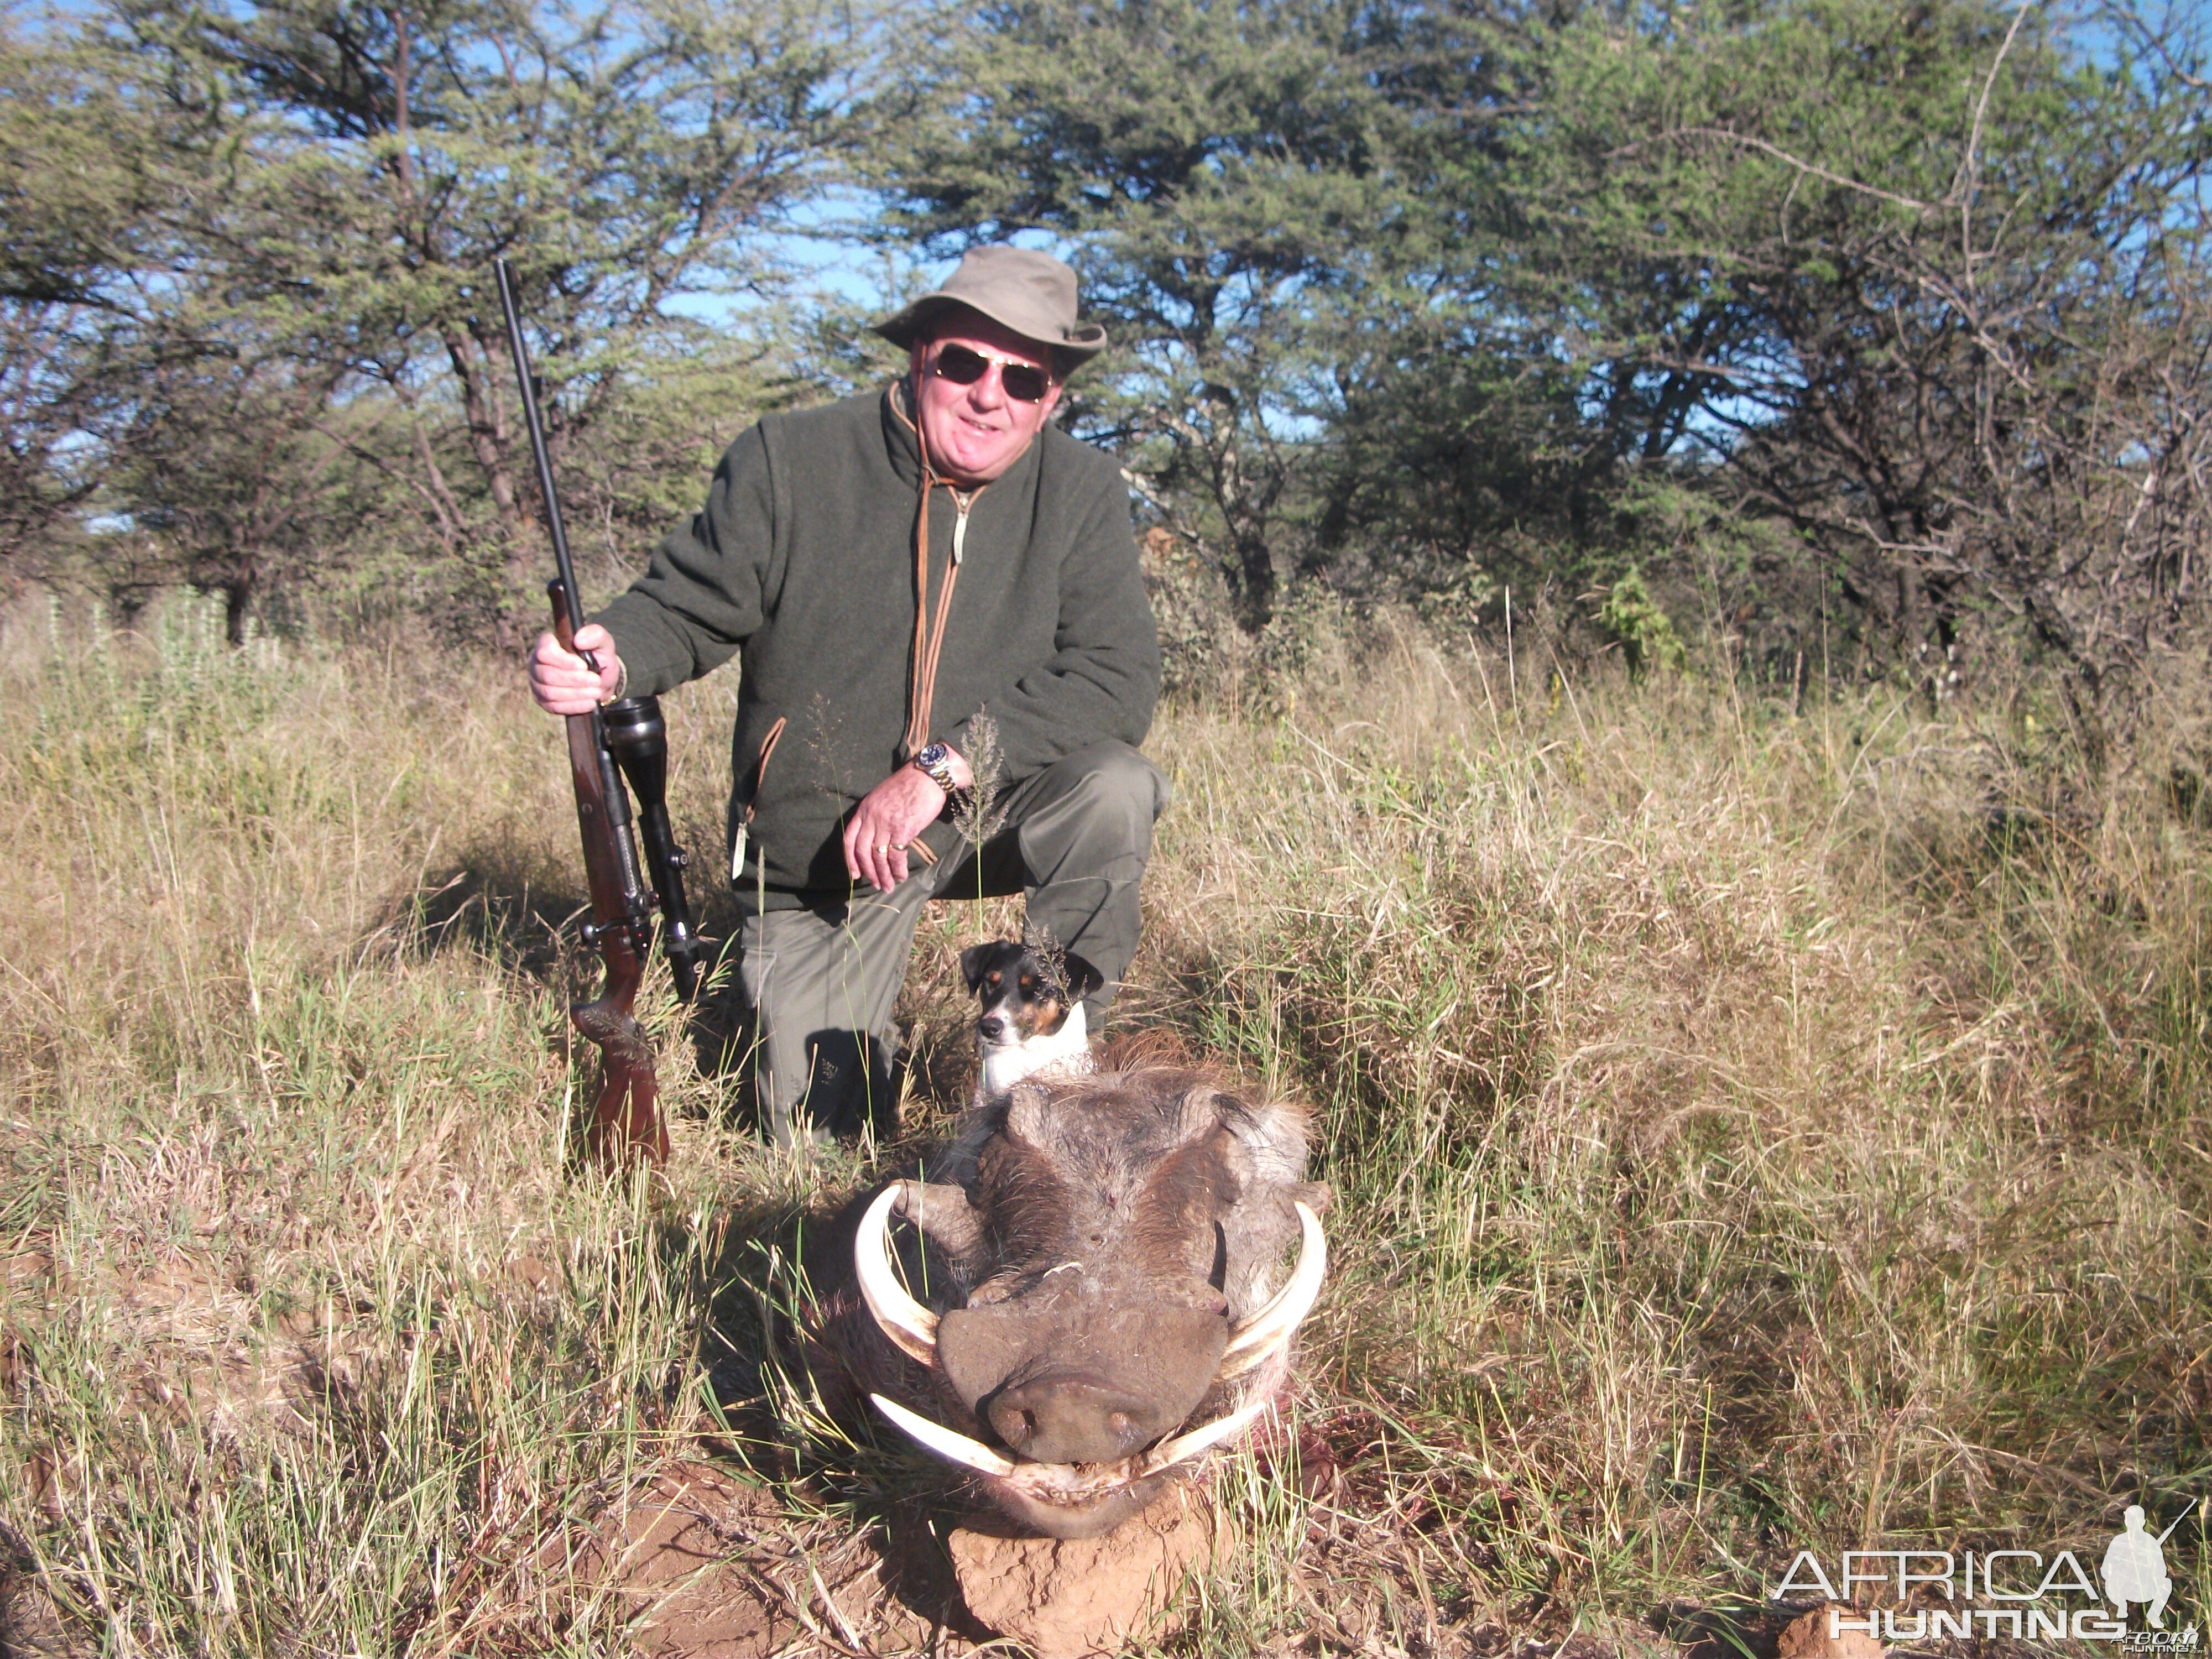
<point x="1751" y="1131"/>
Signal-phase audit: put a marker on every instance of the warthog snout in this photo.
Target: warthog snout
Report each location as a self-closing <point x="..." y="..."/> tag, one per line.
<point x="1091" y="1371"/>
<point x="1063" y="1418"/>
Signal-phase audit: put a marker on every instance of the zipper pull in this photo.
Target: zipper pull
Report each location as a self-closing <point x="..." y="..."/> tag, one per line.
<point x="960" y="524"/>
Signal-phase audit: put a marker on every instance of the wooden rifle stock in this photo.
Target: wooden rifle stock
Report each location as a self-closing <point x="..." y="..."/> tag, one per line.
<point x="625" y="1123"/>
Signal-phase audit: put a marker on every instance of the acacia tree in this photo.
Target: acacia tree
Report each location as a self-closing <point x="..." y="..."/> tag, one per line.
<point x="336" y="176"/>
<point x="1209" y="168"/>
<point x="80" y="170"/>
<point x="1927" y="283"/>
<point x="1924" y="288"/>
<point x="229" y="477"/>
<point x="1461" y="454"/>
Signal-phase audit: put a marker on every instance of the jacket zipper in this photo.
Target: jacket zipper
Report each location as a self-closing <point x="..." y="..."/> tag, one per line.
<point x="961" y="504"/>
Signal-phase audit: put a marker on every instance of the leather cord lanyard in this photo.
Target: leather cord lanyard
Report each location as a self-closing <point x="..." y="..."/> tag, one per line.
<point x="928" y="637"/>
<point x="760" y="766"/>
<point x="752" y="799"/>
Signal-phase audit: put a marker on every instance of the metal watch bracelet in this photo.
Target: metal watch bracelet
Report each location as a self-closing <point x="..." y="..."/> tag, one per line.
<point x="934" y="762"/>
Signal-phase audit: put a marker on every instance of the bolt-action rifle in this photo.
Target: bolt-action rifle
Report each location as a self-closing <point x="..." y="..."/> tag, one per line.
<point x="625" y="740"/>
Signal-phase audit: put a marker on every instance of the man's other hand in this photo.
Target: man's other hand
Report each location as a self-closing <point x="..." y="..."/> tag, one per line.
<point x="890" y="816"/>
<point x="561" y="681"/>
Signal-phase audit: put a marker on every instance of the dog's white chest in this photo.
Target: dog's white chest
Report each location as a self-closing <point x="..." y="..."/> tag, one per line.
<point x="1066" y="1050"/>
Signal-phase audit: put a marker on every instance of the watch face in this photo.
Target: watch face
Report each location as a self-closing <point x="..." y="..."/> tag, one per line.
<point x="932" y="755"/>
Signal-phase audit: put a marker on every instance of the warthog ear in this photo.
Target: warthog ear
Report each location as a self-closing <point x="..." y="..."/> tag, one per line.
<point x="1026" y="1118"/>
<point x="1275" y="1135"/>
<point x="944" y="1215"/>
<point x="976" y="961"/>
<point x="1082" y="978"/>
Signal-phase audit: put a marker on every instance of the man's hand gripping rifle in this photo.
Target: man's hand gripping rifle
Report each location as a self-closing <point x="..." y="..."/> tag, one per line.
<point x="623" y="739"/>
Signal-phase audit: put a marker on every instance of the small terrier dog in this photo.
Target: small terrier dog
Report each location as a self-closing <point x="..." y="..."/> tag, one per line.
<point x="1032" y="1010"/>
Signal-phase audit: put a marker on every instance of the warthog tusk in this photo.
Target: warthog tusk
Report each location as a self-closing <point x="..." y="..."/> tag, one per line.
<point x="1198" y="1440"/>
<point x="1067" y="1481"/>
<point x="1259" y="1336"/>
<point x="952" y="1444"/>
<point x="946" y="1442"/>
<point x="904" y="1319"/>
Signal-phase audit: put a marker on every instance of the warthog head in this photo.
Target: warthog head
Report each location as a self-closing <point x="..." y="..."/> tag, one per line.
<point x="1100" y="1265"/>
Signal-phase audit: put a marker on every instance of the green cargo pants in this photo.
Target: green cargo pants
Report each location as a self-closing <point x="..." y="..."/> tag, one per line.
<point x="820" y="983"/>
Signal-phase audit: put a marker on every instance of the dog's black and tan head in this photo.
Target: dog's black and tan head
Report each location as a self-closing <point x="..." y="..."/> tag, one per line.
<point x="1026" y="991"/>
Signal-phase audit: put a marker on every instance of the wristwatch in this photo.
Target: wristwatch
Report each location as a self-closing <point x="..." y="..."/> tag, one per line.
<point x="934" y="761"/>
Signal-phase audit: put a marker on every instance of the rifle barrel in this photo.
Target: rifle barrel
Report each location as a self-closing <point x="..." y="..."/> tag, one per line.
<point x="528" y="383"/>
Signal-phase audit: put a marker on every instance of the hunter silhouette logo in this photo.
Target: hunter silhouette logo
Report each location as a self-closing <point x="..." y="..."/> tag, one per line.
<point x="2135" y="1568"/>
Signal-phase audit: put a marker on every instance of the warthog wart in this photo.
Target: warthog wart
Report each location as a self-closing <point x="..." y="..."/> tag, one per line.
<point x="1099" y="1253"/>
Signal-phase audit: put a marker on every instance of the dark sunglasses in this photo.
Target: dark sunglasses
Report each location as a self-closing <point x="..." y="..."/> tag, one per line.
<point x="1025" y="383"/>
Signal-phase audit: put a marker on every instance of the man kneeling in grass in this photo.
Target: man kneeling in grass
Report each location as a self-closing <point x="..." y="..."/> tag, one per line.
<point x="894" y="570"/>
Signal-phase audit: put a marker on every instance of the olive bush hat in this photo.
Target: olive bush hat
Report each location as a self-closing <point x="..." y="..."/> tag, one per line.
<point x="1031" y="293"/>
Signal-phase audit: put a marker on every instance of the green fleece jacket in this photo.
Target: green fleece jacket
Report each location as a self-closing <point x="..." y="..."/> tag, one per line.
<point x="803" y="560"/>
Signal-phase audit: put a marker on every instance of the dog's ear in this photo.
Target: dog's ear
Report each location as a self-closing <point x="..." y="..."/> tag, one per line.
<point x="1082" y="978"/>
<point x="975" y="962"/>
